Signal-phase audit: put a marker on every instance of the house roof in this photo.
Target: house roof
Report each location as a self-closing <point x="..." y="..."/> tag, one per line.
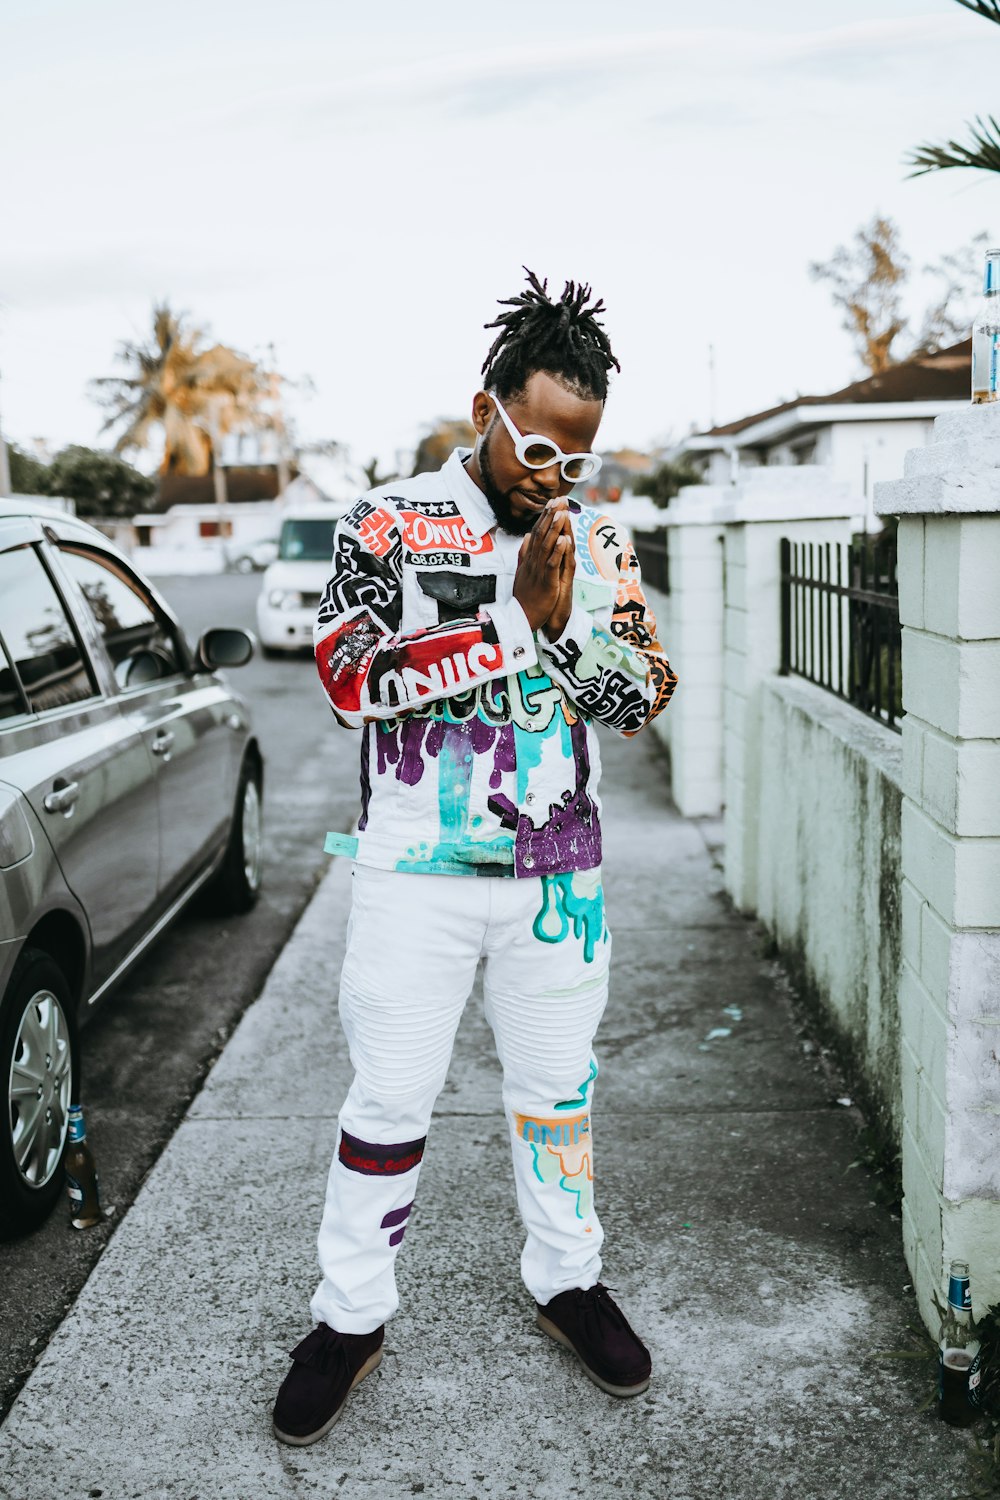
<point x="943" y="376"/>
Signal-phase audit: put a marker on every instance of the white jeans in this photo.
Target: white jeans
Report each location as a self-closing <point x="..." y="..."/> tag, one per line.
<point x="413" y="944"/>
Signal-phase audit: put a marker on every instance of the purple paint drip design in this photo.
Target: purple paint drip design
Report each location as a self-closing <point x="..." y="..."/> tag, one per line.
<point x="397" y="1216"/>
<point x="571" y="839"/>
<point x="409" y="743"/>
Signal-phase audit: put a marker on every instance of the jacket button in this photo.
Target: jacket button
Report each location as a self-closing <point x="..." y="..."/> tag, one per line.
<point x="530" y="797"/>
<point x="529" y="862"/>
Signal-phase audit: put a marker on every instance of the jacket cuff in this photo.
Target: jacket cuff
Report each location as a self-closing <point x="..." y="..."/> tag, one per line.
<point x="516" y="640"/>
<point x="578" y="630"/>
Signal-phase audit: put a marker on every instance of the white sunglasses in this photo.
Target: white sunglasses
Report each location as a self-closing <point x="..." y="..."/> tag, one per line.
<point x="537" y="452"/>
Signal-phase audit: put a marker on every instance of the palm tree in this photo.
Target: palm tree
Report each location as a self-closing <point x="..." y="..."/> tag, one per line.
<point x="983" y="149"/>
<point x="193" y="394"/>
<point x="160" y="390"/>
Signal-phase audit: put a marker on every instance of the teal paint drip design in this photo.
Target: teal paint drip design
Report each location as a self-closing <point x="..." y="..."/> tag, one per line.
<point x="553" y="1174"/>
<point x="578" y="899"/>
<point x="454" y="853"/>
<point x="578" y="1195"/>
<point x="581" y="1101"/>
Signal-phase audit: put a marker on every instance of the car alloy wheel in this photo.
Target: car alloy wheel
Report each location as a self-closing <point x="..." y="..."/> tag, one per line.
<point x="236" y="884"/>
<point x="40" y="1080"/>
<point x="253" y="834"/>
<point x="39" y="1063"/>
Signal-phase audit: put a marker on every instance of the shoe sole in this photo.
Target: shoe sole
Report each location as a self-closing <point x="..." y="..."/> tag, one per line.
<point x="613" y="1390"/>
<point x="370" y="1364"/>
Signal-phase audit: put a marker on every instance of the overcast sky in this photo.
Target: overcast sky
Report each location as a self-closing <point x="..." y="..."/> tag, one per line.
<point x="359" y="184"/>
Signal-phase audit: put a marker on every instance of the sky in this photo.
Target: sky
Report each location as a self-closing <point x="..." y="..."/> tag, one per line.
<point x="358" y="185"/>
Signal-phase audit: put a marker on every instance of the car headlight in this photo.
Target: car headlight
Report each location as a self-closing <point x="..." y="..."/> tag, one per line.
<point x="284" y="599"/>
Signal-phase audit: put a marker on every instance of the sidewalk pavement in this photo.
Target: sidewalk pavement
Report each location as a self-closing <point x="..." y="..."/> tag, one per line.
<point x="754" y="1263"/>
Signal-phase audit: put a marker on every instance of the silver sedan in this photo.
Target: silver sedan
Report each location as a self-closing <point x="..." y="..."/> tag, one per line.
<point x="130" y="781"/>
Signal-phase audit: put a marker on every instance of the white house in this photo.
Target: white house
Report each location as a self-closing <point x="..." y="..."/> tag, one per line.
<point x="861" y="433"/>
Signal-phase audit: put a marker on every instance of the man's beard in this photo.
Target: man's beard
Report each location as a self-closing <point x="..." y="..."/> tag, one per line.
<point x="499" y="502"/>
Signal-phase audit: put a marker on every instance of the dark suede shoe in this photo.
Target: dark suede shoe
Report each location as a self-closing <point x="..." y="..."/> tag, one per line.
<point x="327" y="1367"/>
<point x="595" y="1328"/>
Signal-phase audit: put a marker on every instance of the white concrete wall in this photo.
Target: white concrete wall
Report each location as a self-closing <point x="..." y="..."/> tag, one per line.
<point x="802" y="504"/>
<point x="948" y="505"/>
<point x="828" y="873"/>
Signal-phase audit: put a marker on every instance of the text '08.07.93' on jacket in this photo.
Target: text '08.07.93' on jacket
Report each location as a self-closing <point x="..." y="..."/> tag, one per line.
<point x="479" y="755"/>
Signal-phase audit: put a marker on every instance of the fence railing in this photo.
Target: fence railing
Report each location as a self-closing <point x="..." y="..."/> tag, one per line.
<point x="840" y="621"/>
<point x="651" y="550"/>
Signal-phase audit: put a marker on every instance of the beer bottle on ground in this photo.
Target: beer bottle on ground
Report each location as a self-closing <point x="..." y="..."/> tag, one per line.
<point x="81" y="1174"/>
<point x="957" y="1350"/>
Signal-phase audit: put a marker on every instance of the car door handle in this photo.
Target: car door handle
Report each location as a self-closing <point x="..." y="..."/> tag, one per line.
<point x="163" y="742"/>
<point x="61" y="797"/>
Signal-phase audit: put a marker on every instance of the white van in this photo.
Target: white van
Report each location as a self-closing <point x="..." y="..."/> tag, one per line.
<point x="293" y="584"/>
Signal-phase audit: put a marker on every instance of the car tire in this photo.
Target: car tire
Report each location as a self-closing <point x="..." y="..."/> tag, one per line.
<point x="243" y="565"/>
<point x="236" y="884"/>
<point x="38" y="1042"/>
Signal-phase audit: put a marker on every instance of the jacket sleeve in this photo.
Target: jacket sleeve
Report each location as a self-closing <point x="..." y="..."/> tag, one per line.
<point x="369" y="668"/>
<point x="608" y="659"/>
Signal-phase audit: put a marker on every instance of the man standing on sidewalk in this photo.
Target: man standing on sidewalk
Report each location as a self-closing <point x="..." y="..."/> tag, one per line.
<point x="475" y="623"/>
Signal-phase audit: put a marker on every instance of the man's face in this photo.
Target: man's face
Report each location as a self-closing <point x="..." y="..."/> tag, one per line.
<point x="517" y="494"/>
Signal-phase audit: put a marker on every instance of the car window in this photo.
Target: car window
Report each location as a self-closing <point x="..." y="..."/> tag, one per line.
<point x="139" y="641"/>
<point x="306" y="541"/>
<point x="38" y="635"/>
<point x="12" y="700"/>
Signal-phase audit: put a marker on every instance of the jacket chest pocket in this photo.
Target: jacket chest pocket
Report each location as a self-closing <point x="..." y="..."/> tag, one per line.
<point x="437" y="596"/>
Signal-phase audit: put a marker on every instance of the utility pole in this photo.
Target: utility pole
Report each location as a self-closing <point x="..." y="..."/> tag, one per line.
<point x="711" y="385"/>
<point x="5" y="488"/>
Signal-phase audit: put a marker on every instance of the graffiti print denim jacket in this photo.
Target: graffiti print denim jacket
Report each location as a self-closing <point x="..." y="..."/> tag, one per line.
<point x="478" y="753"/>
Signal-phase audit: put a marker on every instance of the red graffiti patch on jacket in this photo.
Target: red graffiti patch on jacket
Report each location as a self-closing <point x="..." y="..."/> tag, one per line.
<point x="435" y="533"/>
<point x="343" y="657"/>
<point x="375" y="531"/>
<point x="435" y="663"/>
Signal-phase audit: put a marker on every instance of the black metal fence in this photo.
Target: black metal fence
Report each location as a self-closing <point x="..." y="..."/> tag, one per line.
<point x="651" y="550"/>
<point x="840" y="621"/>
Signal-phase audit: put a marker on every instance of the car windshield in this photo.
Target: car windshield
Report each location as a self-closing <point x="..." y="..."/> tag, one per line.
<point x="306" y="541"/>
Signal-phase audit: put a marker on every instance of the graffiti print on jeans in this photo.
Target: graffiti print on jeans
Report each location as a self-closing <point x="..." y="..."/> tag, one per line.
<point x="576" y="901"/>
<point x="561" y="1154"/>
<point x="396" y="1221"/>
<point x="374" y="1160"/>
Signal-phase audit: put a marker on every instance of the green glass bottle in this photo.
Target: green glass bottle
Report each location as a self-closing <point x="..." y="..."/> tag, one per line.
<point x="958" y="1348"/>
<point x="81" y="1174"/>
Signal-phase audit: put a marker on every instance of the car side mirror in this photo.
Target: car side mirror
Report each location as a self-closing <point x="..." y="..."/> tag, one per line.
<point x="224" y="646"/>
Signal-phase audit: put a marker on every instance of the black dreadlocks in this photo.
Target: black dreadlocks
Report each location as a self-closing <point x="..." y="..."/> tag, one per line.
<point x="562" y="338"/>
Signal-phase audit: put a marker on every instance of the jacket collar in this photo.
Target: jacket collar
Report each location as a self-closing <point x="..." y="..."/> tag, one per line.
<point x="475" y="508"/>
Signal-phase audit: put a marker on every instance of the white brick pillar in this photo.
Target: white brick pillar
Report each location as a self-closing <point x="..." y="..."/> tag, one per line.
<point x="803" y="504"/>
<point x="694" y="547"/>
<point x="948" y="505"/>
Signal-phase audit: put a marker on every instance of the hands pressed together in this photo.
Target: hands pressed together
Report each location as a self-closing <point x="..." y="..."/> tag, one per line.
<point x="543" y="583"/>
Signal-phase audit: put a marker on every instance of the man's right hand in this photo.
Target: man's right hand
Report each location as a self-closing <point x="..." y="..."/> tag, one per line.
<point x="537" y="580"/>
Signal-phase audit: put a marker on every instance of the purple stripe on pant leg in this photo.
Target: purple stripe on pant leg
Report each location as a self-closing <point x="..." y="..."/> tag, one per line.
<point x="396" y="1216"/>
<point x="397" y="1237"/>
<point x="373" y="1160"/>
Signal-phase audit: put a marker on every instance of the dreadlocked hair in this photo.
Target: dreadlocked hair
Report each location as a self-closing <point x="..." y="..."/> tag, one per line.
<point x="562" y="338"/>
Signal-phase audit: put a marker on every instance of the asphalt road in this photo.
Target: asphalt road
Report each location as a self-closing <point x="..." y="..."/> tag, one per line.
<point x="147" y="1051"/>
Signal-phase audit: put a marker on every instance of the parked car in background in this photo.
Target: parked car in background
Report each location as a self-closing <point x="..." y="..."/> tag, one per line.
<point x="251" y="557"/>
<point x="293" y="585"/>
<point x="130" y="780"/>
